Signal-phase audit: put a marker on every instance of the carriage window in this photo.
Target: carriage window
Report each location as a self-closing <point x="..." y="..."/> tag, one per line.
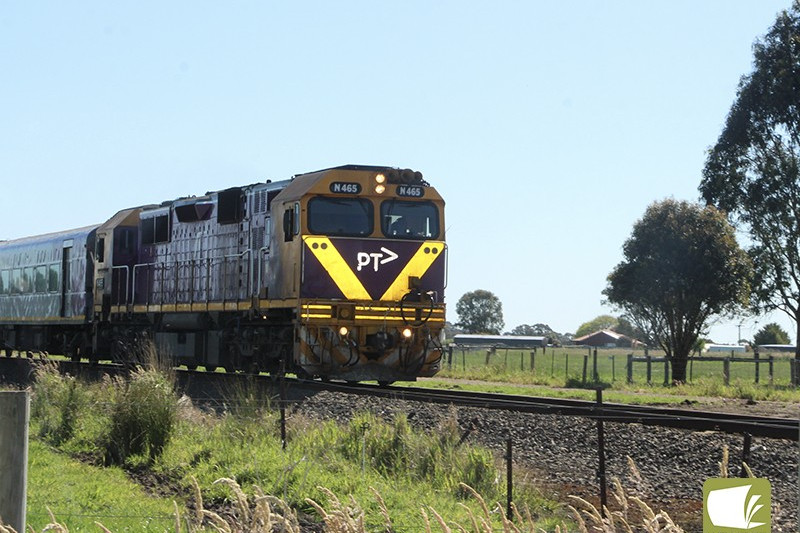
<point x="401" y="219"/>
<point x="52" y="277"/>
<point x="351" y="217"/>
<point x="27" y="279"/>
<point x="16" y="281"/>
<point x="40" y="279"/>
<point x="4" y="278"/>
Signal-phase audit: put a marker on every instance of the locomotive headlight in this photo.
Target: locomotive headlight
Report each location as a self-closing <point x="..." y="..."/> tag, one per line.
<point x="343" y="331"/>
<point x="380" y="178"/>
<point x="379" y="188"/>
<point x="407" y="333"/>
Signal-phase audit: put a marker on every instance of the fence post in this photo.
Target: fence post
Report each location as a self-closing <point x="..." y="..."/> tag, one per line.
<point x="566" y="366"/>
<point x="757" y="357"/>
<point x="613" y="368"/>
<point x="449" y="357"/>
<point x="649" y="368"/>
<point x="666" y="371"/>
<point x="746" y="453"/>
<point x="691" y="367"/>
<point x="629" y="369"/>
<point x="771" y="368"/>
<point x="533" y="361"/>
<point x="585" y="365"/>
<point x="726" y="370"/>
<point x="595" y="375"/>
<point x="14" y="417"/>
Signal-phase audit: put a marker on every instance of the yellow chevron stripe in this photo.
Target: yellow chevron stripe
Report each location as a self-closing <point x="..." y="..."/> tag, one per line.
<point x="418" y="265"/>
<point x="333" y="262"/>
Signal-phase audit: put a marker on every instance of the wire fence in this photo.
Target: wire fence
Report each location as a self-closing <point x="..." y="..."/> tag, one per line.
<point x="590" y="365"/>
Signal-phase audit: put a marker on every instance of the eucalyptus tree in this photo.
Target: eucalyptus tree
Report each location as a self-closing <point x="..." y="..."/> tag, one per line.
<point x="480" y="311"/>
<point x="682" y="265"/>
<point x="752" y="171"/>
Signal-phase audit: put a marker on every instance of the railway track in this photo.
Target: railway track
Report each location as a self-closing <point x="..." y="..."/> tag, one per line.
<point x="18" y="371"/>
<point x="696" y="420"/>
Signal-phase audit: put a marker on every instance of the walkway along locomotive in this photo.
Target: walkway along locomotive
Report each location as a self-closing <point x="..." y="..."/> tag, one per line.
<point x="337" y="273"/>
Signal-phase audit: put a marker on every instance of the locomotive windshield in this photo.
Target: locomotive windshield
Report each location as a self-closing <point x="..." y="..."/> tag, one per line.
<point x="402" y="219"/>
<point x="350" y="217"/>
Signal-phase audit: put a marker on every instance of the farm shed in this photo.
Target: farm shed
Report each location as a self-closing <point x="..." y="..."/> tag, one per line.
<point x="726" y="348"/>
<point x="500" y="341"/>
<point x="608" y="339"/>
<point x="789" y="348"/>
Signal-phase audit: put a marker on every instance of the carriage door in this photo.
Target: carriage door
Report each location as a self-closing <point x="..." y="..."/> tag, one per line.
<point x="66" y="281"/>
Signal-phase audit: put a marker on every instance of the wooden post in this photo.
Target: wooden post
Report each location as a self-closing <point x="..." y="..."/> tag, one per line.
<point x="533" y="361"/>
<point x="585" y="365"/>
<point x="14" y="417"/>
<point x="726" y="370"/>
<point x="629" y="368"/>
<point x="748" y="439"/>
<point x="666" y="371"/>
<point x="771" y="368"/>
<point x="449" y="357"/>
<point x="757" y="357"/>
<point x="595" y="375"/>
<point x="613" y="368"/>
<point x="649" y="369"/>
<point x="566" y="366"/>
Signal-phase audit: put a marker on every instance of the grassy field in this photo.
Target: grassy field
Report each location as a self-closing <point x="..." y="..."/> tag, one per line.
<point x="72" y="437"/>
<point x="564" y="368"/>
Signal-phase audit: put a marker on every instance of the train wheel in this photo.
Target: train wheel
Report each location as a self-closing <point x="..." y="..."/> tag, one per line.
<point x="211" y="368"/>
<point x="385" y="383"/>
<point x="191" y="367"/>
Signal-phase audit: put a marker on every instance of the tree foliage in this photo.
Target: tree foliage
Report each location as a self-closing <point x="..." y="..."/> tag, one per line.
<point x="596" y="324"/>
<point x="681" y="266"/>
<point x="480" y="311"/>
<point x="772" y="333"/>
<point x="752" y="171"/>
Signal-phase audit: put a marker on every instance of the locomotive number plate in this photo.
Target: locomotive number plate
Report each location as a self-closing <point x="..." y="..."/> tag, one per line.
<point x="413" y="191"/>
<point x="344" y="187"/>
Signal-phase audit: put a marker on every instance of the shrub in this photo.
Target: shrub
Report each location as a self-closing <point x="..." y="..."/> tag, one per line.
<point x="57" y="400"/>
<point x="143" y="415"/>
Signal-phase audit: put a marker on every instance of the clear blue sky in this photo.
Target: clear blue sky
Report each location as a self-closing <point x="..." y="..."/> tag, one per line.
<point x="548" y="127"/>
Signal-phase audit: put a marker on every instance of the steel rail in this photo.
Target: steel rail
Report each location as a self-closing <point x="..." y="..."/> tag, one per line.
<point x="691" y="419"/>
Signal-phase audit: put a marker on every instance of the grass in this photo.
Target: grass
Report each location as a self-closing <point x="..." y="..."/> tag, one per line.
<point x="73" y="420"/>
<point x="562" y="368"/>
<point x="80" y="495"/>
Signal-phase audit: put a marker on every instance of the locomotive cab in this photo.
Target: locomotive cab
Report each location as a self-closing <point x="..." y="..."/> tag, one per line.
<point x="362" y="252"/>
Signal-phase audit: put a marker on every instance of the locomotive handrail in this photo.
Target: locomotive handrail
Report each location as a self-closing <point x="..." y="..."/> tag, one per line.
<point x="225" y="274"/>
<point x="127" y="278"/>
<point x="261" y="253"/>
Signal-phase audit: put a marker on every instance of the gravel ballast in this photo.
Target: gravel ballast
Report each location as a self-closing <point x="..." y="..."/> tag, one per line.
<point x="558" y="454"/>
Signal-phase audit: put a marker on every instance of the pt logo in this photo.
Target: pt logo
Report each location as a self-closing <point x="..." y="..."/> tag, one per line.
<point x="364" y="259"/>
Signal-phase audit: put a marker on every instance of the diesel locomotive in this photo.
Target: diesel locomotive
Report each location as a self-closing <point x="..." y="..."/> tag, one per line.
<point x="338" y="273"/>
